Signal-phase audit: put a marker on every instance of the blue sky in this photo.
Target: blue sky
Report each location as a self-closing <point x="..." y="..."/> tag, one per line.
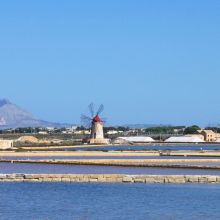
<point x="154" y="62"/>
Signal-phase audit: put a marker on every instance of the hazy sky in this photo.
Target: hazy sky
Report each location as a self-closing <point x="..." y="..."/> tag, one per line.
<point x="146" y="61"/>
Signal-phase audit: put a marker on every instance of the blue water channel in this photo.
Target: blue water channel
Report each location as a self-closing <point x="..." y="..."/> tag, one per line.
<point x="55" y="201"/>
<point x="150" y="147"/>
<point x="103" y="157"/>
<point x="88" y="169"/>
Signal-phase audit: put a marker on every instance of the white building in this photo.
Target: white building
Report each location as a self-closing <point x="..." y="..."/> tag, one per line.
<point x="114" y="132"/>
<point x="42" y="132"/>
<point x="82" y="132"/>
<point x="6" y="144"/>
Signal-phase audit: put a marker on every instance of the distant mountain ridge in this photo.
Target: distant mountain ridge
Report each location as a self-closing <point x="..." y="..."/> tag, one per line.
<point x="13" y="116"/>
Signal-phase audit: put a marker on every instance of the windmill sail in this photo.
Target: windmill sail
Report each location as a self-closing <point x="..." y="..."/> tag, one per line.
<point x="96" y="124"/>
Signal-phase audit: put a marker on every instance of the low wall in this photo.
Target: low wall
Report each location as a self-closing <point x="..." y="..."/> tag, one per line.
<point x="108" y="178"/>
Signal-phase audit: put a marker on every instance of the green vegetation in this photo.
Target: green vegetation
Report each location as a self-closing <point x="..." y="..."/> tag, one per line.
<point x="81" y="128"/>
<point x="165" y="130"/>
<point x="120" y="131"/>
<point x="215" y="129"/>
<point x="192" y="129"/>
<point x="120" y="128"/>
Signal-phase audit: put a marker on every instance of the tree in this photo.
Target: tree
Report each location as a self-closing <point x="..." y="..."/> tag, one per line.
<point x="165" y="130"/>
<point x="215" y="129"/>
<point x="192" y="129"/>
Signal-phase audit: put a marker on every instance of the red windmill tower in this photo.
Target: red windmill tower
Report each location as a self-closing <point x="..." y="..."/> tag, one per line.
<point x="96" y="124"/>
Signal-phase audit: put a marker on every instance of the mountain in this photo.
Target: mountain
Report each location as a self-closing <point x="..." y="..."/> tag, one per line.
<point x="13" y="116"/>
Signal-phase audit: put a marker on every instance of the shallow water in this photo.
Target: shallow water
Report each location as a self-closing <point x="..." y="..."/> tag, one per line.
<point x="103" y="157"/>
<point x="85" y="169"/>
<point x="151" y="147"/>
<point x="55" y="201"/>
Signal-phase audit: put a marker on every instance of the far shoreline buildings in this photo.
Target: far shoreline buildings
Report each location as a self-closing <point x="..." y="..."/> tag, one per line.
<point x="210" y="136"/>
<point x="6" y="144"/>
<point x="95" y="135"/>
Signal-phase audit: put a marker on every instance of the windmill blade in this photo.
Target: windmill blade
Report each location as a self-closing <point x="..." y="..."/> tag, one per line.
<point x="104" y="120"/>
<point x="85" y="119"/>
<point x="87" y="125"/>
<point x="91" y="109"/>
<point x="100" y="110"/>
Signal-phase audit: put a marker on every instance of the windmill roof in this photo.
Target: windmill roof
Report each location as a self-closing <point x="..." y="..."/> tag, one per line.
<point x="97" y="119"/>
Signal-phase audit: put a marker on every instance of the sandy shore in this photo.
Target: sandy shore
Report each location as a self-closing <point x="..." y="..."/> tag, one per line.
<point x="156" y="163"/>
<point x="185" y="153"/>
<point x="75" y="154"/>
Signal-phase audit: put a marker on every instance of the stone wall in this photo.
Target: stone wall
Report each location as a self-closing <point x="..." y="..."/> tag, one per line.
<point x="108" y="178"/>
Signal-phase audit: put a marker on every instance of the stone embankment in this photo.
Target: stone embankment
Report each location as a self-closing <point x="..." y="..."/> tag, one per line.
<point x="108" y="178"/>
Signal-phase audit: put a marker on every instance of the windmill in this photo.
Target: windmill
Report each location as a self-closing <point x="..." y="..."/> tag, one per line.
<point x="95" y="122"/>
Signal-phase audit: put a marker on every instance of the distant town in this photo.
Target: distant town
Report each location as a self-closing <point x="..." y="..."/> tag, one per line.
<point x="118" y="135"/>
<point x="20" y="128"/>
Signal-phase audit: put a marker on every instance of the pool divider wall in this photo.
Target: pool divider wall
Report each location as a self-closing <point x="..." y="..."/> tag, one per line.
<point x="109" y="178"/>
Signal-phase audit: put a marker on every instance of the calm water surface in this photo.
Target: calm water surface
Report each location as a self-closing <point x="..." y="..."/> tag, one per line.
<point x="55" y="201"/>
<point x="152" y="147"/>
<point x="85" y="169"/>
<point x="103" y="157"/>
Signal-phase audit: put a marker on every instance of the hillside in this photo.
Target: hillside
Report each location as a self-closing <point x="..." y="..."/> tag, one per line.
<point x="13" y="116"/>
